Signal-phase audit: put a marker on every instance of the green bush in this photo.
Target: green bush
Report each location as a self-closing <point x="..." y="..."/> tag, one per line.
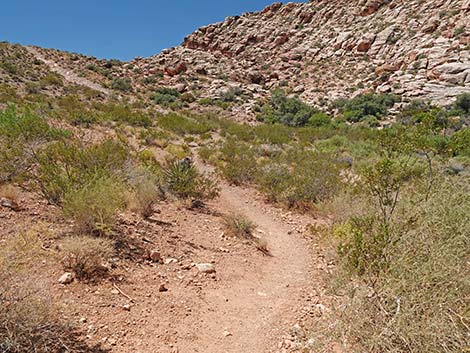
<point x="463" y="103"/>
<point x="274" y="134"/>
<point x="66" y="166"/>
<point x="362" y="106"/>
<point x="300" y="179"/>
<point x="124" y="114"/>
<point x="319" y="119"/>
<point x="288" y="111"/>
<point x="460" y="142"/>
<point x="51" y="79"/>
<point x="122" y="84"/>
<point x="183" y="125"/>
<point x="237" y="162"/>
<point x="94" y="206"/>
<point x="22" y="134"/>
<point x="166" y="96"/>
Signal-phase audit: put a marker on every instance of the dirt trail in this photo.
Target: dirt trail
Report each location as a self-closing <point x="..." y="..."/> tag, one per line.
<point x="254" y="309"/>
<point x="68" y="75"/>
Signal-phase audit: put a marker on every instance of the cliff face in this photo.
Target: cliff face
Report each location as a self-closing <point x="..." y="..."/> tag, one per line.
<point x="334" y="48"/>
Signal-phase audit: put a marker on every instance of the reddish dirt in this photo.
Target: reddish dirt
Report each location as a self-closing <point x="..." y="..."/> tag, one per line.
<point x="248" y="305"/>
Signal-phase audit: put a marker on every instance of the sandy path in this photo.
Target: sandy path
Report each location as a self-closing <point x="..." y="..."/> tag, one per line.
<point x="68" y="75"/>
<point x="254" y="309"/>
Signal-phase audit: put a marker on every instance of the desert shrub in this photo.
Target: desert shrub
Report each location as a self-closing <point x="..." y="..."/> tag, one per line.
<point x="274" y="134"/>
<point x="65" y="166"/>
<point x="9" y="192"/>
<point x="188" y="97"/>
<point x="124" y="114"/>
<point x="85" y="256"/>
<point x="238" y="225"/>
<point x="233" y="94"/>
<point x="289" y="111"/>
<point x="242" y="132"/>
<point x="237" y="162"/>
<point x="300" y="178"/>
<point x="165" y="96"/>
<point x="462" y="103"/>
<point x="460" y="142"/>
<point x="183" y="125"/>
<point x="214" y="102"/>
<point x="417" y="302"/>
<point x="9" y="67"/>
<point x="184" y="181"/>
<point x="8" y="94"/>
<point x="362" y="106"/>
<point x="22" y="134"/>
<point x="147" y="190"/>
<point x="177" y="151"/>
<point x="32" y="323"/>
<point x="319" y="119"/>
<point x="363" y="244"/>
<point x="51" y="79"/>
<point x="121" y="84"/>
<point x="95" y="205"/>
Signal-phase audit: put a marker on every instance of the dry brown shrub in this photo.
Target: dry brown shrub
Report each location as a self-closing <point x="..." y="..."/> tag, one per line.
<point x="85" y="256"/>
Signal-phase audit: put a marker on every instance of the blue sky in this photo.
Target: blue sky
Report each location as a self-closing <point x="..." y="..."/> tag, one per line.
<point x="120" y="29"/>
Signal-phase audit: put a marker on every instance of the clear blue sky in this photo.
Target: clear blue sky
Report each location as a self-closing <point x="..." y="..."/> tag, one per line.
<point x="120" y="29"/>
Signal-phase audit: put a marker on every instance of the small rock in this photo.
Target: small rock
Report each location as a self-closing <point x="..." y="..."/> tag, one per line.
<point x="297" y="330"/>
<point x="126" y="307"/>
<point x="162" y="288"/>
<point x="206" y="268"/>
<point x="227" y="333"/>
<point x="9" y="204"/>
<point x="66" y="278"/>
<point x="112" y="341"/>
<point x="154" y="256"/>
<point x="82" y="320"/>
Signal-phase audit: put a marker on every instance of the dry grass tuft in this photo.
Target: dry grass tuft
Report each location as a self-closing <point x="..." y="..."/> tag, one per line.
<point x="30" y="320"/>
<point x="237" y="225"/>
<point x="10" y="192"/>
<point x="85" y="256"/>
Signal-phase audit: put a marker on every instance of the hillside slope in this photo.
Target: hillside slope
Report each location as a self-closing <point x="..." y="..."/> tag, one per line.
<point x="321" y="50"/>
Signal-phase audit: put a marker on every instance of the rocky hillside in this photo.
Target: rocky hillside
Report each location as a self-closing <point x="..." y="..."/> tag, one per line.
<point x="334" y="48"/>
<point x="321" y="50"/>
